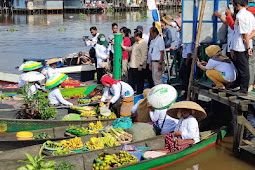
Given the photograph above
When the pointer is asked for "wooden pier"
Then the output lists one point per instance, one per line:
(240, 107)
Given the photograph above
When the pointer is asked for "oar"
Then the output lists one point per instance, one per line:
(196, 48)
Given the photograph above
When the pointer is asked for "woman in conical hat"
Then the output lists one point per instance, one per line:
(32, 78)
(219, 68)
(51, 70)
(55, 95)
(186, 132)
(26, 67)
(160, 97)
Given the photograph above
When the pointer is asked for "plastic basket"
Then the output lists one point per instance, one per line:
(97, 161)
(52, 149)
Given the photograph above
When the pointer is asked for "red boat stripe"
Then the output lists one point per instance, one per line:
(201, 150)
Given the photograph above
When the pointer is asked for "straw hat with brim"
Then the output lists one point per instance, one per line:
(32, 76)
(198, 112)
(214, 50)
(162, 96)
(31, 65)
(53, 60)
(55, 80)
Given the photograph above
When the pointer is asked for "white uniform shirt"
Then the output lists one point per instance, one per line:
(177, 39)
(227, 70)
(145, 38)
(32, 90)
(245, 23)
(159, 45)
(101, 53)
(159, 116)
(50, 72)
(230, 38)
(56, 97)
(187, 48)
(21, 82)
(189, 128)
(93, 42)
(127, 91)
(149, 52)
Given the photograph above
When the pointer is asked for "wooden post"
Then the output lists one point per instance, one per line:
(196, 48)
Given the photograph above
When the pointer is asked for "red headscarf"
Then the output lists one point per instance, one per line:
(109, 80)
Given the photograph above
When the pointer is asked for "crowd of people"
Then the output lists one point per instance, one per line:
(230, 67)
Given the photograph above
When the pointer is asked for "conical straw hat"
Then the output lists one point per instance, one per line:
(31, 65)
(32, 76)
(162, 96)
(55, 80)
(199, 113)
(53, 60)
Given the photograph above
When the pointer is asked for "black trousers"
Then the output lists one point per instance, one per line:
(92, 54)
(148, 76)
(185, 73)
(242, 66)
(100, 73)
(136, 79)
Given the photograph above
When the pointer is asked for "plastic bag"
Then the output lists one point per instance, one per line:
(124, 123)
(105, 111)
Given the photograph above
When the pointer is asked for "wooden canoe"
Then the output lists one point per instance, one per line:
(84, 160)
(9, 141)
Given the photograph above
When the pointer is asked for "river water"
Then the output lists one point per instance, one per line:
(47, 36)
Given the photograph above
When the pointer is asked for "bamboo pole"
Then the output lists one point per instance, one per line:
(196, 48)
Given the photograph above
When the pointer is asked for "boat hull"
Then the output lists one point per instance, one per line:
(85, 160)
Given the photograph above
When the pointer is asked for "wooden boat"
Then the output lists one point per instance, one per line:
(85, 159)
(9, 141)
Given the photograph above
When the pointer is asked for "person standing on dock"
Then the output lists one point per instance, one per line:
(242, 45)
(167, 34)
(102, 54)
(125, 56)
(157, 56)
(92, 41)
(111, 41)
(187, 51)
(145, 36)
(137, 62)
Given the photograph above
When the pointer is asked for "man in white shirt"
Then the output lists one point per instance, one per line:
(148, 73)
(157, 56)
(242, 45)
(145, 36)
(92, 41)
(187, 52)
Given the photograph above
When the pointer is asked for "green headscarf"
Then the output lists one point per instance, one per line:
(104, 43)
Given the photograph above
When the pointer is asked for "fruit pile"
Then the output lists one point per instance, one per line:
(70, 81)
(114, 160)
(96, 98)
(62, 152)
(89, 113)
(83, 101)
(112, 116)
(120, 135)
(75, 143)
(101, 142)
(53, 145)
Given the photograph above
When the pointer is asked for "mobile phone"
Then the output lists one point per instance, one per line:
(164, 14)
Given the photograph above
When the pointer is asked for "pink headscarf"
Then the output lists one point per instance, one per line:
(109, 80)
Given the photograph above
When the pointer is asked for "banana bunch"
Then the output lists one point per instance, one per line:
(92, 125)
(99, 125)
(95, 143)
(110, 141)
(88, 113)
(75, 143)
(93, 131)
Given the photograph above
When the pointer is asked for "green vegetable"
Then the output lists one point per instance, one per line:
(37, 163)
(65, 166)
(41, 135)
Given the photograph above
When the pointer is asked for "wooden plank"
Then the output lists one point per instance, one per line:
(248, 149)
(242, 120)
(252, 143)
